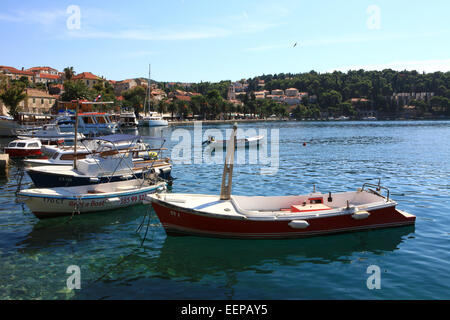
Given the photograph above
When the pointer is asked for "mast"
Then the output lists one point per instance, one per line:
(76, 136)
(149, 91)
(227, 176)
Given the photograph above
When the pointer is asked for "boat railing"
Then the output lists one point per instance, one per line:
(377, 190)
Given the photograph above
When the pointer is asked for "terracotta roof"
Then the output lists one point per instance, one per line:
(183, 98)
(48, 76)
(37, 69)
(16, 71)
(86, 75)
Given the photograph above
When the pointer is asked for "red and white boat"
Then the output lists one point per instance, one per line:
(24, 148)
(276, 217)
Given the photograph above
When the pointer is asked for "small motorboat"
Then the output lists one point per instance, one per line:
(24, 148)
(275, 217)
(278, 216)
(245, 142)
(100, 168)
(111, 161)
(55, 202)
(49, 131)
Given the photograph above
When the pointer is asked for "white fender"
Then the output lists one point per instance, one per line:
(113, 200)
(299, 224)
(360, 215)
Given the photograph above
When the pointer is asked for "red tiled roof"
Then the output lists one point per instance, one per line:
(37, 69)
(183, 98)
(48, 76)
(86, 75)
(16, 71)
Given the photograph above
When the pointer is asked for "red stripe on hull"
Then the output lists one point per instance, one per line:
(23, 153)
(177, 221)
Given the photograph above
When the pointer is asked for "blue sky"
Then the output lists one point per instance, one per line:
(207, 40)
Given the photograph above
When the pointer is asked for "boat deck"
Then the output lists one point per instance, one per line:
(289, 207)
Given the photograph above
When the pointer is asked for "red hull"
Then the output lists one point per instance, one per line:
(181, 221)
(23, 152)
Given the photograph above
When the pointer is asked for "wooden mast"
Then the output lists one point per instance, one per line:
(227, 176)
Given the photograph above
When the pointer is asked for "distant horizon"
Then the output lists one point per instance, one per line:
(203, 41)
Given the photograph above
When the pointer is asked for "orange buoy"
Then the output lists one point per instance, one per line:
(304, 144)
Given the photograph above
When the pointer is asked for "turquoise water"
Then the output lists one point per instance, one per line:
(412, 158)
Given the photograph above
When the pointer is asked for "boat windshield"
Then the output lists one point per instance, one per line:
(12, 144)
(102, 120)
(88, 120)
(21, 144)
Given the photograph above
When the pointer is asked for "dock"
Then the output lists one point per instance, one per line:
(4, 161)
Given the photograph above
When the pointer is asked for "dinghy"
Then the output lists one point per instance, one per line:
(246, 142)
(276, 217)
(55, 202)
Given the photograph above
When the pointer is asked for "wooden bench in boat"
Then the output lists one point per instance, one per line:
(309, 207)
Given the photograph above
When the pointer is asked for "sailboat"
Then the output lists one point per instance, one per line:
(152, 118)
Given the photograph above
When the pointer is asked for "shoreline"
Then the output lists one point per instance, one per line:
(187, 122)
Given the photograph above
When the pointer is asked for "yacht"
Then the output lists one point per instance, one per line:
(151, 118)
(128, 120)
(89, 123)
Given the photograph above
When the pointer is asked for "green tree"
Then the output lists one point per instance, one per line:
(135, 98)
(74, 90)
(69, 73)
(12, 95)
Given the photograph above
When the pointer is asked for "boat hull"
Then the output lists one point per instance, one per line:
(153, 123)
(44, 207)
(181, 221)
(42, 179)
(20, 153)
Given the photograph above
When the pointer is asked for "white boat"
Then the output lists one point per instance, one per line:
(342, 118)
(23, 121)
(89, 123)
(106, 163)
(48, 131)
(128, 120)
(154, 120)
(369, 119)
(64, 155)
(245, 142)
(151, 118)
(275, 217)
(24, 148)
(54, 202)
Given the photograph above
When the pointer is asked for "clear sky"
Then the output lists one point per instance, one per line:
(212, 40)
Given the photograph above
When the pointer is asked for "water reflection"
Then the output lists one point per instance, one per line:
(61, 231)
(193, 258)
